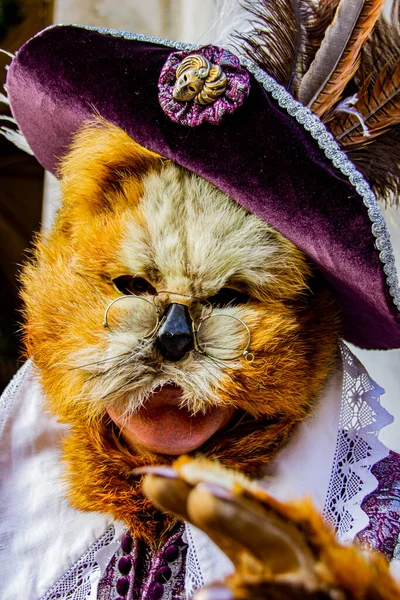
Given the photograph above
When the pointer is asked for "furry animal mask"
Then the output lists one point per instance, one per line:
(132, 222)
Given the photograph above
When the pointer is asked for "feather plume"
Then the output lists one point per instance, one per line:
(17, 138)
(230, 16)
(324, 11)
(13, 135)
(381, 46)
(338, 58)
(4, 99)
(379, 162)
(376, 52)
(277, 40)
(395, 15)
(377, 109)
(378, 105)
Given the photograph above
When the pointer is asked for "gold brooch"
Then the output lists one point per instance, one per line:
(199, 80)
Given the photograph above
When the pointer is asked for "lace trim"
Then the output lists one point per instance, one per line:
(77, 582)
(7, 397)
(357, 449)
(194, 579)
(318, 131)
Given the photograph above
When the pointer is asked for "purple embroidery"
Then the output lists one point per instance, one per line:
(191, 114)
(152, 576)
(383, 508)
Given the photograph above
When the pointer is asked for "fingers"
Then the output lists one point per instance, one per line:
(238, 521)
(169, 495)
(241, 527)
(261, 536)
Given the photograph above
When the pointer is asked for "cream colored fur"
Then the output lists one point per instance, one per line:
(189, 238)
(127, 211)
(196, 240)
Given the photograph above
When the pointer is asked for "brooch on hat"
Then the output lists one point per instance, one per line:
(202, 86)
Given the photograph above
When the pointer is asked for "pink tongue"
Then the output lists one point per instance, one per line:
(161, 427)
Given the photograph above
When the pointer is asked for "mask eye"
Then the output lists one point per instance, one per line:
(228, 297)
(129, 285)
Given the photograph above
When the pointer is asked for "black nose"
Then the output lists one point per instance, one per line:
(175, 336)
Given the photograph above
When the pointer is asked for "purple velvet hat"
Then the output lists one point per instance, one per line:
(251, 139)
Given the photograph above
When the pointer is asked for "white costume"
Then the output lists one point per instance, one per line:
(50, 550)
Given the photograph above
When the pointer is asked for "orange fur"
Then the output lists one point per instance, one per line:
(294, 327)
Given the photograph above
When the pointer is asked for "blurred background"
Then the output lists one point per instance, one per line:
(29, 197)
(21, 183)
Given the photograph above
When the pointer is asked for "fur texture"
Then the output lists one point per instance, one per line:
(128, 211)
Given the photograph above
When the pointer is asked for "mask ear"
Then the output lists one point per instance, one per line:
(103, 171)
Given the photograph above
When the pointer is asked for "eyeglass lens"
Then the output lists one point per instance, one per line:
(220, 336)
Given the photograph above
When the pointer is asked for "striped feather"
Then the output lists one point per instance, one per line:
(378, 105)
(338, 58)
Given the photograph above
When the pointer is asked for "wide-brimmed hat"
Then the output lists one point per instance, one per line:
(240, 130)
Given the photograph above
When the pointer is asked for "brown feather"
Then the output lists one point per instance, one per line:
(395, 15)
(378, 104)
(382, 46)
(278, 40)
(338, 58)
(324, 12)
(379, 162)
(378, 155)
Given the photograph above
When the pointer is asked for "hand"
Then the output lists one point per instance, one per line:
(280, 551)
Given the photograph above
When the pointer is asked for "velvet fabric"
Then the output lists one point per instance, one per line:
(259, 155)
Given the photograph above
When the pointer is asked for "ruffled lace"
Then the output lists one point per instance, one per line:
(81, 579)
(358, 449)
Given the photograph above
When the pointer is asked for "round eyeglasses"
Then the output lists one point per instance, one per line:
(220, 336)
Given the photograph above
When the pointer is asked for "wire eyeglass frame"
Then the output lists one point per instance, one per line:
(197, 322)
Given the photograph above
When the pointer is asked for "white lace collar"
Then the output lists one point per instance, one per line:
(329, 459)
(76, 547)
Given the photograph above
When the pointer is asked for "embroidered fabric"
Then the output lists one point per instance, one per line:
(357, 449)
(351, 480)
(383, 509)
(396, 553)
(153, 573)
(191, 113)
